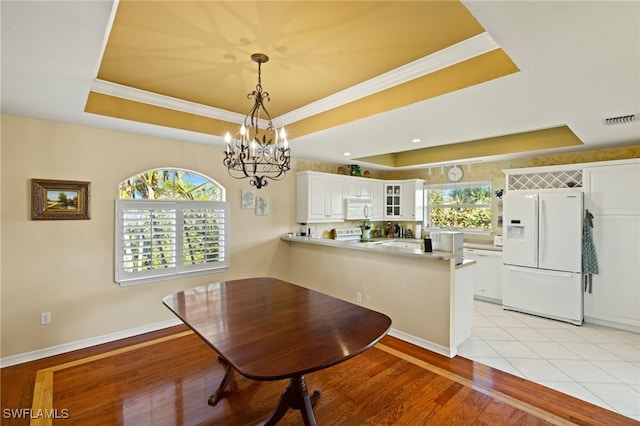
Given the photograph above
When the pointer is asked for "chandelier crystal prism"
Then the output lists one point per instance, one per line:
(258, 153)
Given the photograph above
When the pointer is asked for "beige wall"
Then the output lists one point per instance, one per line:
(413, 292)
(66, 267)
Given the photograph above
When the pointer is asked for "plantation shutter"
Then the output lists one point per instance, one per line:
(159, 239)
(204, 235)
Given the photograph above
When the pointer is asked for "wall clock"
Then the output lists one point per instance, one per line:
(455, 173)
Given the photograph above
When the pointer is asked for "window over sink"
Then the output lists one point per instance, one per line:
(464, 206)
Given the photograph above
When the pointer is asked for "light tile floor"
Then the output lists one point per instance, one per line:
(597, 364)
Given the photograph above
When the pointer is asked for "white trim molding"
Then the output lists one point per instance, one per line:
(85, 343)
(439, 349)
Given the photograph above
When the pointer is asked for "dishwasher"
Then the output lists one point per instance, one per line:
(487, 284)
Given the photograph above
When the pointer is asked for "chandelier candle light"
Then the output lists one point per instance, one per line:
(255, 153)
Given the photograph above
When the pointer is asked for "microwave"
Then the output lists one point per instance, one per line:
(449, 241)
(357, 208)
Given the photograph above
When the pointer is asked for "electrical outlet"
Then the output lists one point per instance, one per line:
(359, 297)
(45, 318)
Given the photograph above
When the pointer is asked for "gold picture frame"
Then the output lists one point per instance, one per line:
(59, 199)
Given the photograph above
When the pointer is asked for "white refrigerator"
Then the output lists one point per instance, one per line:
(542, 254)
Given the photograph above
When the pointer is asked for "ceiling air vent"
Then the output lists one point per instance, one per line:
(623, 119)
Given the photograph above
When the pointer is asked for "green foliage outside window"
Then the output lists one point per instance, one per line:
(460, 207)
(170, 184)
(188, 219)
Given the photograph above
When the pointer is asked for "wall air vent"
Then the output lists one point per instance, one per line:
(623, 119)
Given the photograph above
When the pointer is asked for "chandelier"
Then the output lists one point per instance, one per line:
(255, 153)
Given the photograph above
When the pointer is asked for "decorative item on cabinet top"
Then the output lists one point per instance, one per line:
(355, 170)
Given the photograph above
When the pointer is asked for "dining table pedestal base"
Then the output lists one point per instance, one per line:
(297, 397)
(228, 372)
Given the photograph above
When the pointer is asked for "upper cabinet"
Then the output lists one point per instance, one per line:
(392, 196)
(377, 200)
(356, 187)
(404, 200)
(319, 197)
(613, 189)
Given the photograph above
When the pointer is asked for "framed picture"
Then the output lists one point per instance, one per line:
(248, 199)
(262, 206)
(59, 199)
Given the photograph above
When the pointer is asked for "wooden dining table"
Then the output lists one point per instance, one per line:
(267, 329)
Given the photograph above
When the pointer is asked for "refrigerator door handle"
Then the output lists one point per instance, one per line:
(536, 232)
(542, 232)
(541, 271)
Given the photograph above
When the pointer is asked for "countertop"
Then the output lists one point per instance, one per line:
(482, 246)
(372, 247)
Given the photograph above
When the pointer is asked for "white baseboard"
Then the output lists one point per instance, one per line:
(93, 341)
(450, 353)
(634, 328)
(81, 344)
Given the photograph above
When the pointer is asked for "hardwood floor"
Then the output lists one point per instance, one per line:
(165, 378)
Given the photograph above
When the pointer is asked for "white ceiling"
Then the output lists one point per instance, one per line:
(579, 62)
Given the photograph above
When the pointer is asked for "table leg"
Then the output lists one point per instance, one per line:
(295, 396)
(217, 395)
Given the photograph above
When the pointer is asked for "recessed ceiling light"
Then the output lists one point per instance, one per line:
(346, 154)
(416, 140)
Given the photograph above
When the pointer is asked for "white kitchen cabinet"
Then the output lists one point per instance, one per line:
(612, 195)
(613, 188)
(357, 187)
(413, 200)
(377, 200)
(488, 274)
(404, 200)
(392, 197)
(614, 299)
(319, 197)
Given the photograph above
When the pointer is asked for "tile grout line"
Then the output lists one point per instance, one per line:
(580, 335)
(528, 408)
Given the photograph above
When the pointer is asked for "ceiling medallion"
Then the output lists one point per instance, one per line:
(255, 153)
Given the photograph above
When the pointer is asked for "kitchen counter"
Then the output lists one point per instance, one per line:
(481, 245)
(427, 296)
(375, 246)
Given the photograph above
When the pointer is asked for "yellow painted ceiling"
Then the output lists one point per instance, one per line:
(199, 52)
(554, 137)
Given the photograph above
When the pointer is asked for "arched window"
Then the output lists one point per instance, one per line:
(170, 223)
(171, 184)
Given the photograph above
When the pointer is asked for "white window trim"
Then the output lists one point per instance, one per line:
(134, 278)
(457, 185)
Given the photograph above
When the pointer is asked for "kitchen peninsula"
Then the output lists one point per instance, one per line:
(428, 297)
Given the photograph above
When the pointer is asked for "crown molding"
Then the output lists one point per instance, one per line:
(137, 95)
(464, 50)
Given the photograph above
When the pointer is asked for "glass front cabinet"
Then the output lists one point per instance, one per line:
(392, 193)
(404, 200)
